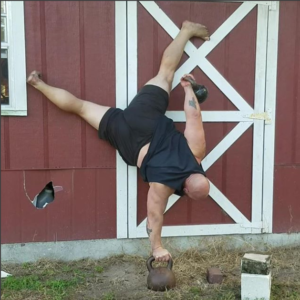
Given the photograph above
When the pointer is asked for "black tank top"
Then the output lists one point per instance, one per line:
(169, 160)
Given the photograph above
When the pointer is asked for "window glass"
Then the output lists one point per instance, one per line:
(13, 79)
(4, 77)
(3, 7)
(3, 29)
(4, 56)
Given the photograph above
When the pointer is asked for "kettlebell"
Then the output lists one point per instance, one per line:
(160, 278)
(200, 91)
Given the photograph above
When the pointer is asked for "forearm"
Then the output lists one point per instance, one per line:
(154, 227)
(191, 105)
(194, 131)
(156, 205)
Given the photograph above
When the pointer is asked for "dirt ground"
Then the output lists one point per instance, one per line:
(125, 277)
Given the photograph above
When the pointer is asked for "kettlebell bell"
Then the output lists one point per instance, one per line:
(160, 278)
(200, 91)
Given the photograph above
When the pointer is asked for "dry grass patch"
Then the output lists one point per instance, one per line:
(124, 277)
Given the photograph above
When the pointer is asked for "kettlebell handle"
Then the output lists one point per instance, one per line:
(151, 259)
(191, 81)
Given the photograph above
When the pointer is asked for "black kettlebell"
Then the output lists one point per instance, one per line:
(160, 278)
(45, 197)
(200, 91)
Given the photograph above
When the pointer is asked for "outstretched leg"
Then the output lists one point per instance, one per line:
(174, 51)
(89, 111)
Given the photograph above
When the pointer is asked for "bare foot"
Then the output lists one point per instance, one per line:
(34, 78)
(196, 29)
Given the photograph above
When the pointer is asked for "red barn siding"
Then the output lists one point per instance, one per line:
(236, 62)
(83, 210)
(73, 44)
(287, 149)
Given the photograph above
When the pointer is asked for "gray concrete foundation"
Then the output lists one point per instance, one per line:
(97, 249)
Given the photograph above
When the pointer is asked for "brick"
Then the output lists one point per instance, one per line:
(214, 275)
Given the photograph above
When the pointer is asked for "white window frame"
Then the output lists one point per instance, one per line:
(16, 60)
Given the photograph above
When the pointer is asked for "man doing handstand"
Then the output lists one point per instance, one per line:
(144, 137)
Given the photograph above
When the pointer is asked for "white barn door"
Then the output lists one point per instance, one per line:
(261, 116)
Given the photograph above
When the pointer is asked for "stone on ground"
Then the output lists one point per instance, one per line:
(214, 275)
(255, 263)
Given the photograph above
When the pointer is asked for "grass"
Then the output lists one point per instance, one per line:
(19, 283)
(124, 277)
(285, 291)
(195, 291)
(55, 289)
(99, 269)
(109, 296)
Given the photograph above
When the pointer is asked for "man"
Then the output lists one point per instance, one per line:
(146, 138)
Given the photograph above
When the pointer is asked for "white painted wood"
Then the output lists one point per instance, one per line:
(224, 85)
(259, 106)
(196, 230)
(227, 206)
(274, 5)
(171, 201)
(256, 2)
(221, 200)
(4, 46)
(132, 90)
(225, 143)
(215, 76)
(132, 49)
(269, 148)
(121, 102)
(197, 58)
(195, 54)
(213, 116)
(10, 112)
(219, 197)
(16, 60)
(215, 39)
(162, 18)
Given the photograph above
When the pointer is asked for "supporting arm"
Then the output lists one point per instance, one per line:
(158, 195)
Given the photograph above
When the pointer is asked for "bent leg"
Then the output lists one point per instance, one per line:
(172, 54)
(89, 111)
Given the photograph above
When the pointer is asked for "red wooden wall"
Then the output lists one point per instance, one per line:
(73, 45)
(287, 149)
(227, 57)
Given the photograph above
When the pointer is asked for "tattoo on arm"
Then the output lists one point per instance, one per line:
(148, 229)
(193, 103)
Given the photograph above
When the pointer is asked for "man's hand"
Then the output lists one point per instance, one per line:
(161, 254)
(185, 83)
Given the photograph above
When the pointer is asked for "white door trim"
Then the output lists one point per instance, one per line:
(246, 116)
(198, 55)
(270, 103)
(121, 102)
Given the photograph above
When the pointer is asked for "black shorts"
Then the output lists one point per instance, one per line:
(130, 129)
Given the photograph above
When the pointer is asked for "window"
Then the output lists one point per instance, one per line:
(13, 68)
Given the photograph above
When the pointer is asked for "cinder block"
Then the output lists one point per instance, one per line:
(214, 275)
(255, 263)
(256, 287)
